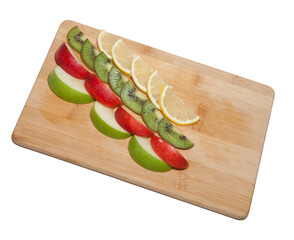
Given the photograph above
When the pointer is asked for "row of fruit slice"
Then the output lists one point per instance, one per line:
(64, 83)
(131, 96)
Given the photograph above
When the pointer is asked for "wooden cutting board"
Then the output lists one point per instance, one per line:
(228, 139)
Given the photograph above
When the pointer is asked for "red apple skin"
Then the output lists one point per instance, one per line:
(130, 124)
(99, 91)
(168, 153)
(69, 64)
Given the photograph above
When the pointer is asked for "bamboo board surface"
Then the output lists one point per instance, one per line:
(228, 140)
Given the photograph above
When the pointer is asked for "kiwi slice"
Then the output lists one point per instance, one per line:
(133, 97)
(172, 135)
(116, 80)
(102, 66)
(89, 52)
(151, 116)
(76, 38)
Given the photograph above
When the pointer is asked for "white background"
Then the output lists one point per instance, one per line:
(45, 198)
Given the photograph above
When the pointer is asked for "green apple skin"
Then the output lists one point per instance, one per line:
(65, 92)
(144, 158)
(104, 127)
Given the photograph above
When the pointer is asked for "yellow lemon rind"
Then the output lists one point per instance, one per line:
(99, 43)
(116, 63)
(148, 90)
(135, 80)
(165, 113)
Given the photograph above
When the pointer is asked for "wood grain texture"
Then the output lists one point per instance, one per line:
(228, 139)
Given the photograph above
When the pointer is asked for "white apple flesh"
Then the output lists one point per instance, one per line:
(67, 87)
(142, 153)
(104, 120)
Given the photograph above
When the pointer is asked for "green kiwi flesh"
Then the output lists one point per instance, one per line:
(116, 80)
(89, 52)
(172, 135)
(133, 97)
(102, 66)
(76, 38)
(151, 116)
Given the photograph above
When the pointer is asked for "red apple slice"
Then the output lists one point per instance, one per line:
(99, 91)
(168, 153)
(130, 124)
(66, 59)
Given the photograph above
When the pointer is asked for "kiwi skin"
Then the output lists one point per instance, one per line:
(89, 52)
(102, 66)
(76, 38)
(116, 80)
(132, 97)
(172, 135)
(151, 116)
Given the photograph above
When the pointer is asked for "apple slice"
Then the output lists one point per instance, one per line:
(67, 87)
(168, 153)
(101, 92)
(104, 120)
(68, 61)
(141, 151)
(130, 124)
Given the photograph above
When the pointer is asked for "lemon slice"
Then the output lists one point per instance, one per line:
(122, 56)
(105, 43)
(154, 86)
(140, 72)
(174, 109)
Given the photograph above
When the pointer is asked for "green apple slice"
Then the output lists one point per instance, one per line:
(104, 120)
(67, 87)
(141, 151)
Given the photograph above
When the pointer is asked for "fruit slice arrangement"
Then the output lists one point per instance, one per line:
(72, 81)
